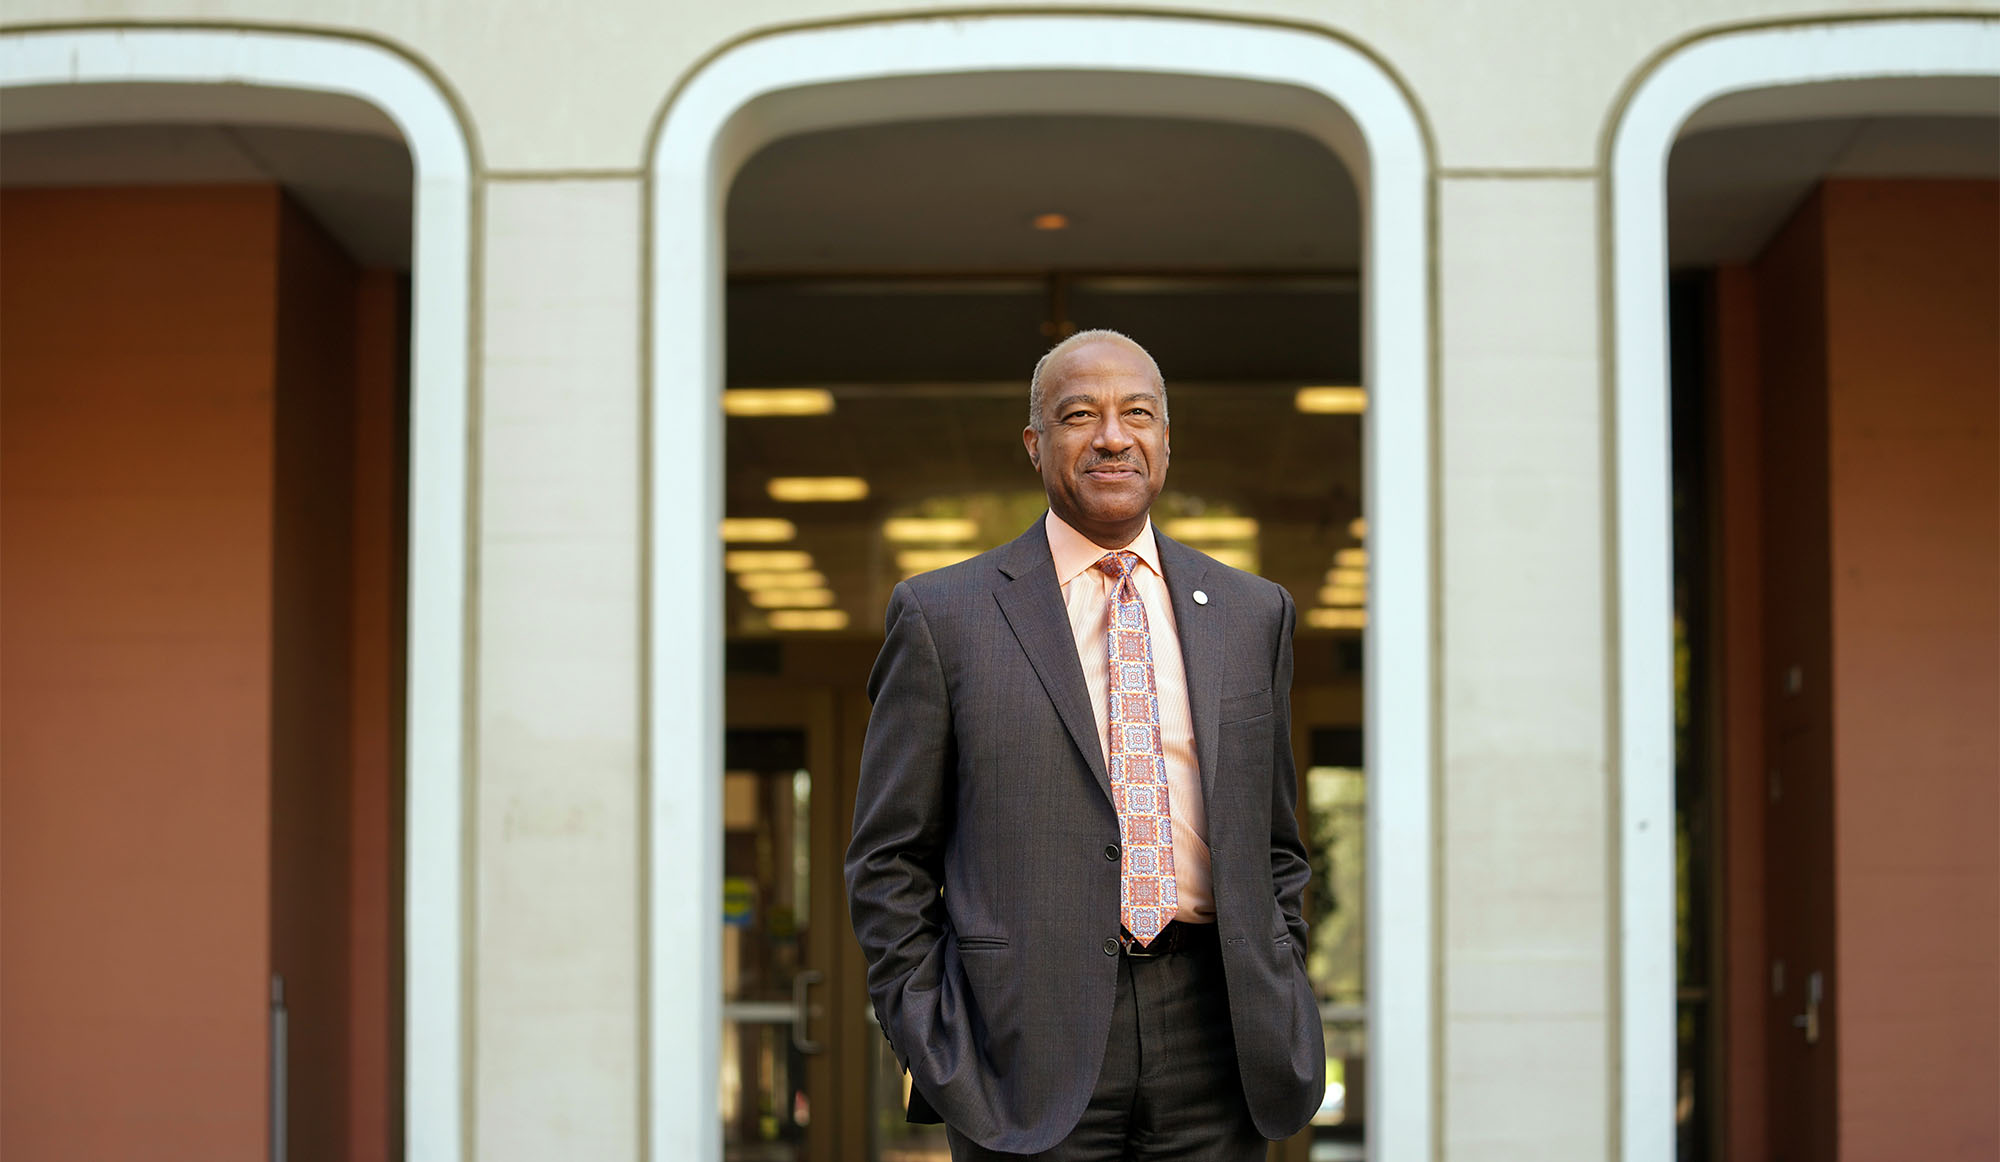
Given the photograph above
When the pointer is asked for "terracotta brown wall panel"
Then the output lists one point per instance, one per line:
(136, 355)
(1735, 403)
(1798, 859)
(375, 883)
(194, 659)
(1913, 306)
(312, 575)
(1878, 388)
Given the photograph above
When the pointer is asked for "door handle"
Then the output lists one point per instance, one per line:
(803, 1010)
(1809, 1020)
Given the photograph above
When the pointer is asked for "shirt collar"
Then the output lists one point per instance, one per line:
(1074, 553)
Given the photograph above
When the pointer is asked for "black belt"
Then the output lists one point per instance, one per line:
(1174, 938)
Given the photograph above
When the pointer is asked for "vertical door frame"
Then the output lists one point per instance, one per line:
(1640, 137)
(901, 69)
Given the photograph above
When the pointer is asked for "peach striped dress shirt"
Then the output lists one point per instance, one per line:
(1087, 595)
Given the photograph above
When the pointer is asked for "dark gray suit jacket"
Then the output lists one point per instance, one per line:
(981, 877)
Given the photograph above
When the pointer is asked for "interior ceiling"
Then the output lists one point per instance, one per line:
(1729, 189)
(924, 330)
(1140, 193)
(356, 184)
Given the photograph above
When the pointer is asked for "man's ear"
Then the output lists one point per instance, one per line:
(1032, 441)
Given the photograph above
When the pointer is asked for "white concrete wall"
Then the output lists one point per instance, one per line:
(569, 87)
(556, 1010)
(560, 101)
(1527, 1050)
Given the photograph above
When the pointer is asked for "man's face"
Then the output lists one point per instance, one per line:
(1102, 450)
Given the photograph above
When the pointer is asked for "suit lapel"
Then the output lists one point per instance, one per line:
(1200, 631)
(1031, 600)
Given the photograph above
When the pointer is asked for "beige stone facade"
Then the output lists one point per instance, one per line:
(576, 1018)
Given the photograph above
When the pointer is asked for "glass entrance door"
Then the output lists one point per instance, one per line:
(773, 997)
(796, 1037)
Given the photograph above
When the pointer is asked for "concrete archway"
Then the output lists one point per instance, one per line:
(75, 77)
(1735, 65)
(855, 74)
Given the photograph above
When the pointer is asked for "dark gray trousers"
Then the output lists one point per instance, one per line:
(1169, 1088)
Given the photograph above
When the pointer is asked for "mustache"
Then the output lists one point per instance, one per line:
(1101, 461)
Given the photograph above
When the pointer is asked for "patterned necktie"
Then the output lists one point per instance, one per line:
(1147, 898)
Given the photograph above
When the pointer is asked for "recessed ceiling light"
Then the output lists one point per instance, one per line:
(924, 560)
(1358, 528)
(1351, 558)
(1212, 528)
(1337, 618)
(766, 560)
(1332, 401)
(792, 598)
(817, 488)
(916, 529)
(777, 401)
(1339, 576)
(1343, 595)
(1050, 221)
(741, 529)
(808, 619)
(793, 579)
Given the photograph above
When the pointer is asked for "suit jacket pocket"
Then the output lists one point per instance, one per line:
(1290, 948)
(1244, 707)
(981, 943)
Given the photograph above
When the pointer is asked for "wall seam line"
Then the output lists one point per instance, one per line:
(1520, 173)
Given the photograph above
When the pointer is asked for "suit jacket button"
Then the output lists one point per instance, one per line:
(1111, 946)
(1111, 851)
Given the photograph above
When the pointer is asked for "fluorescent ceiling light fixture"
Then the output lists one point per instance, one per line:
(1050, 221)
(924, 560)
(766, 560)
(1212, 528)
(910, 528)
(777, 401)
(793, 579)
(1351, 558)
(815, 488)
(1343, 595)
(792, 598)
(1332, 401)
(1358, 528)
(756, 529)
(808, 619)
(1337, 618)
(1347, 577)
(1243, 559)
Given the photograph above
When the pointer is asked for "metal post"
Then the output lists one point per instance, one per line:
(279, 1049)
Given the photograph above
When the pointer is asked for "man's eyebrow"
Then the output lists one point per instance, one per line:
(1086, 398)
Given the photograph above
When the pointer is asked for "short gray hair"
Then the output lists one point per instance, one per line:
(1070, 344)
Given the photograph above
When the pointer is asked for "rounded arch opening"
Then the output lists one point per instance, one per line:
(824, 78)
(78, 79)
(1728, 84)
(895, 279)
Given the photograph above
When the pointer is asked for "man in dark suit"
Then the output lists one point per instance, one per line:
(1075, 868)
